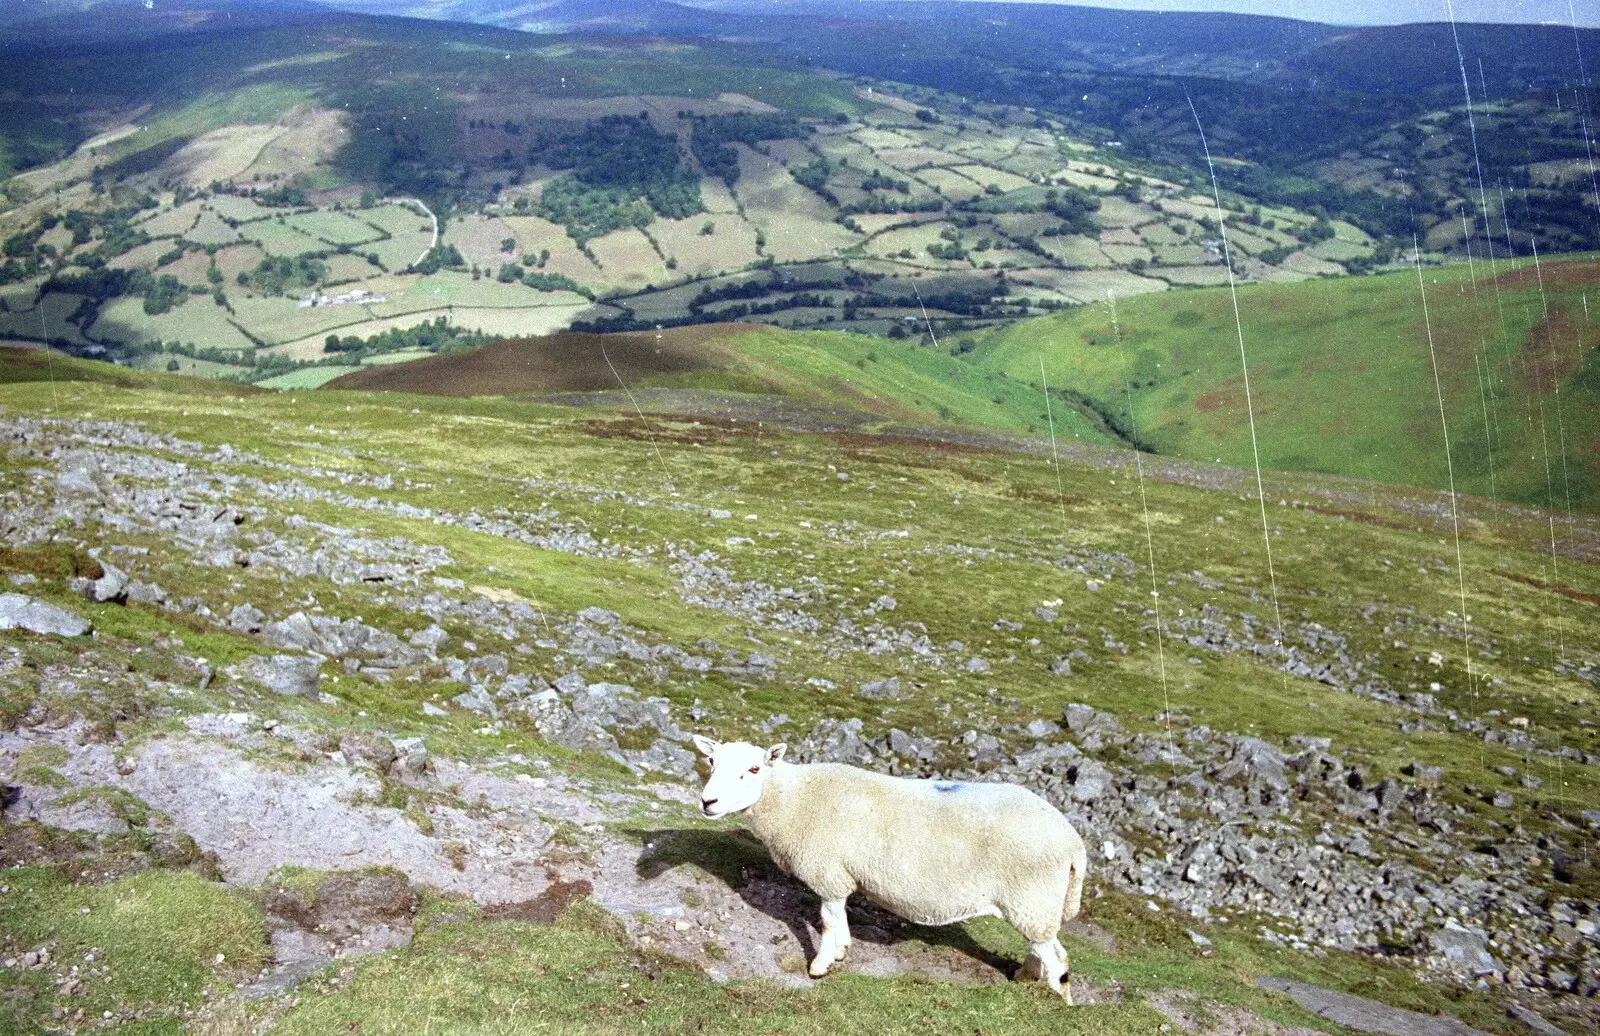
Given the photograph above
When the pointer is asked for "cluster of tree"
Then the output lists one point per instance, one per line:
(814, 175)
(626, 321)
(713, 137)
(160, 293)
(1382, 255)
(877, 203)
(623, 172)
(279, 274)
(973, 301)
(614, 151)
(876, 181)
(589, 212)
(1074, 208)
(286, 196)
(437, 336)
(1253, 219)
(96, 284)
(1319, 230)
(511, 273)
(756, 287)
(615, 160)
(236, 357)
(1377, 214)
(26, 255)
(554, 282)
(136, 162)
(439, 257)
(799, 300)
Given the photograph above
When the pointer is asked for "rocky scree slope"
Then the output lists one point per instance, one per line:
(230, 756)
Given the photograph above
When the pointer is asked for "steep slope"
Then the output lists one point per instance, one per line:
(1342, 378)
(855, 378)
(388, 698)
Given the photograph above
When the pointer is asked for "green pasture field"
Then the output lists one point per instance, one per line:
(903, 381)
(306, 377)
(336, 228)
(1341, 376)
(199, 321)
(277, 238)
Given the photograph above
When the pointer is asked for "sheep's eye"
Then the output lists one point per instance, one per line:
(755, 769)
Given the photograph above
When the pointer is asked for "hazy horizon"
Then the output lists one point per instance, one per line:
(1354, 12)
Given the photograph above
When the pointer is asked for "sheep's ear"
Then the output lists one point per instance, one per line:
(776, 752)
(705, 744)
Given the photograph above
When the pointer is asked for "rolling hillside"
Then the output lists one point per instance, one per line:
(851, 378)
(1342, 378)
(387, 699)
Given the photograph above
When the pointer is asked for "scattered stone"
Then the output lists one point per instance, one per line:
(146, 593)
(1427, 776)
(1084, 720)
(111, 586)
(1257, 761)
(910, 746)
(1464, 949)
(431, 639)
(834, 741)
(18, 611)
(1089, 780)
(881, 690)
(1532, 1020)
(299, 675)
(1365, 1015)
(412, 761)
(360, 746)
(247, 618)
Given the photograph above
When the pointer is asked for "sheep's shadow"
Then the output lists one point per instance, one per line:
(742, 863)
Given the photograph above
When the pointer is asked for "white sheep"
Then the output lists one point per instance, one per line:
(934, 852)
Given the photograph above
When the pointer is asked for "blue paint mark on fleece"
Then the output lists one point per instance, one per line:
(948, 787)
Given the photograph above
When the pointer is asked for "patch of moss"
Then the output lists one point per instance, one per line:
(41, 777)
(124, 805)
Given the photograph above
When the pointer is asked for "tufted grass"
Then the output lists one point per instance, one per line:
(159, 933)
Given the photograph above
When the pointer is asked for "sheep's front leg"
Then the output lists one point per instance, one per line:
(1054, 966)
(835, 938)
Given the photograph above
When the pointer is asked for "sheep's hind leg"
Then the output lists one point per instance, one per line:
(1053, 966)
(835, 938)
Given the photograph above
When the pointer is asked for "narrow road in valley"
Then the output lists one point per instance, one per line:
(419, 203)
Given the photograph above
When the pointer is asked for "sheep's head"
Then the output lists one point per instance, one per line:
(738, 773)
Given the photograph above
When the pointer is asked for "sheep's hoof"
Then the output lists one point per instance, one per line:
(820, 966)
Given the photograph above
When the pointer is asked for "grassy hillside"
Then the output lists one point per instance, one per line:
(1342, 378)
(19, 364)
(515, 518)
(184, 194)
(891, 379)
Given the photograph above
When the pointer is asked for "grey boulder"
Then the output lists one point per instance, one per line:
(18, 611)
(298, 675)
